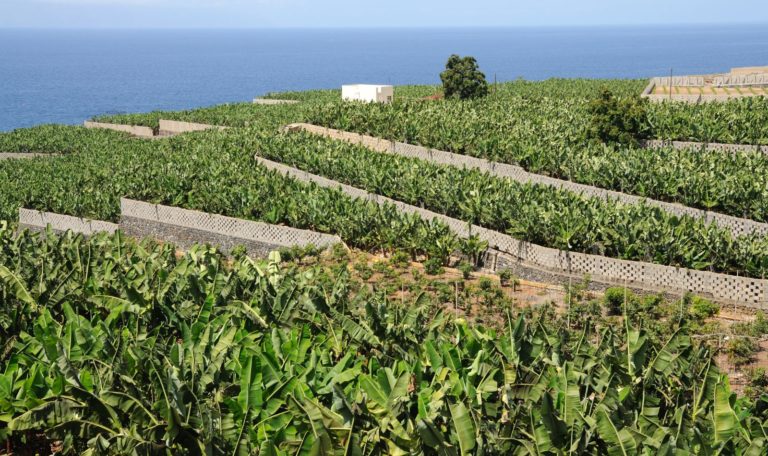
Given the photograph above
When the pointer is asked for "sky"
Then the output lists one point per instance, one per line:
(360, 13)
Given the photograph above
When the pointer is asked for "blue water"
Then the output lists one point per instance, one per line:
(69, 76)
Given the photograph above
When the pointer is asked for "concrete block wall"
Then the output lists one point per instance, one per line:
(741, 80)
(270, 101)
(738, 226)
(684, 98)
(38, 221)
(22, 155)
(174, 127)
(718, 147)
(135, 130)
(721, 287)
(680, 81)
(185, 228)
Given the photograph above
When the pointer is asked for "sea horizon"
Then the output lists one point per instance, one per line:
(69, 75)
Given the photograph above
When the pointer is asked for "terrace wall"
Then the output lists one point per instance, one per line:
(18, 155)
(269, 101)
(738, 226)
(653, 277)
(741, 80)
(680, 81)
(135, 130)
(39, 221)
(716, 147)
(174, 127)
(185, 228)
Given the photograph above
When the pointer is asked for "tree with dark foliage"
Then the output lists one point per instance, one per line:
(618, 120)
(463, 79)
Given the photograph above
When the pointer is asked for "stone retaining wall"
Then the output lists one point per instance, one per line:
(38, 221)
(135, 130)
(747, 292)
(738, 226)
(174, 127)
(270, 101)
(185, 227)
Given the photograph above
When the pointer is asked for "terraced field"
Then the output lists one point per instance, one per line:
(108, 346)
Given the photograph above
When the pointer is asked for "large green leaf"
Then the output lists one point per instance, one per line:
(620, 442)
(463, 427)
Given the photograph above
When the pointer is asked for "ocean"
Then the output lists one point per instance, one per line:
(67, 76)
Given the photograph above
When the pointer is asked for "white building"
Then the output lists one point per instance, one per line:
(368, 92)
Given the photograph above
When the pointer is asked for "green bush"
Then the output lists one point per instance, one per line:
(618, 120)
(614, 299)
(365, 271)
(463, 79)
(756, 328)
(400, 259)
(741, 350)
(466, 269)
(298, 252)
(433, 266)
(702, 309)
(485, 283)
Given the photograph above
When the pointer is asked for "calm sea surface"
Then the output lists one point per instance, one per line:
(69, 76)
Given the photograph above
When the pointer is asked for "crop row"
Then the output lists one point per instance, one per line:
(214, 172)
(563, 102)
(545, 136)
(740, 121)
(109, 347)
(539, 214)
(208, 171)
(540, 126)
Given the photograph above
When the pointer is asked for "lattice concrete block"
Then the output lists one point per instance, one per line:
(744, 291)
(135, 130)
(268, 101)
(185, 227)
(39, 221)
(23, 155)
(738, 226)
(174, 127)
(718, 147)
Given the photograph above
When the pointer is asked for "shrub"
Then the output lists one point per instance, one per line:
(614, 299)
(238, 252)
(433, 266)
(463, 79)
(741, 350)
(298, 252)
(702, 309)
(365, 271)
(757, 382)
(466, 269)
(400, 259)
(756, 328)
(618, 120)
(485, 283)
(339, 252)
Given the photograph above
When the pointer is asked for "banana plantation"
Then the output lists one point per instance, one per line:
(117, 346)
(114, 347)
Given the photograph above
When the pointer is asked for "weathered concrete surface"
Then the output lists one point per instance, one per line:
(38, 221)
(135, 130)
